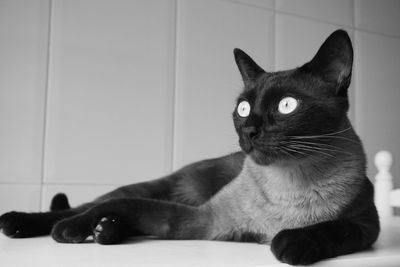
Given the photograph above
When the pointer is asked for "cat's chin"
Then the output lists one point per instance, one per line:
(259, 157)
(267, 158)
(262, 158)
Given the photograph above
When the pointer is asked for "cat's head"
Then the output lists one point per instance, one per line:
(294, 114)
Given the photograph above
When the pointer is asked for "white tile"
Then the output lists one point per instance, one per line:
(23, 48)
(208, 81)
(339, 12)
(77, 194)
(378, 96)
(298, 40)
(19, 197)
(380, 16)
(110, 94)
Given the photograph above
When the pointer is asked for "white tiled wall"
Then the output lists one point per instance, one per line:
(334, 12)
(109, 111)
(96, 94)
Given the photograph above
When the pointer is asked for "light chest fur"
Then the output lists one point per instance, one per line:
(267, 199)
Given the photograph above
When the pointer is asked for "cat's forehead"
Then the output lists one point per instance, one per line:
(271, 84)
(274, 85)
(278, 78)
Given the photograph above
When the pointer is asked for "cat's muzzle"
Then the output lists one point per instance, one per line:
(248, 135)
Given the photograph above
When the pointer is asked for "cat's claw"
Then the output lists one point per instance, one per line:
(109, 230)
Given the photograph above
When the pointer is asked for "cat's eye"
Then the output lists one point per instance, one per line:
(243, 109)
(287, 105)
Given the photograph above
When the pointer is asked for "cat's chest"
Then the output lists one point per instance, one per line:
(280, 197)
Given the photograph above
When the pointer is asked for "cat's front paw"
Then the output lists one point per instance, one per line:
(71, 230)
(17, 224)
(109, 230)
(297, 247)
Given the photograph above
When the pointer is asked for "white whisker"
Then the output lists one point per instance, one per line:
(311, 150)
(318, 146)
(321, 136)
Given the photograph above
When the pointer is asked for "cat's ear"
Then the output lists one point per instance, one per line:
(334, 60)
(247, 67)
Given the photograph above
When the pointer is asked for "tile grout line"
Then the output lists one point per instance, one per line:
(275, 36)
(175, 86)
(355, 68)
(354, 14)
(356, 71)
(351, 27)
(46, 95)
(61, 184)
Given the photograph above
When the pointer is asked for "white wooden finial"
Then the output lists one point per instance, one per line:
(383, 161)
(383, 185)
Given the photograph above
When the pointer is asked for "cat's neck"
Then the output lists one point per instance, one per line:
(289, 173)
(298, 174)
(286, 184)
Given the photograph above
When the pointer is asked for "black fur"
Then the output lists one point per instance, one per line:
(177, 206)
(59, 202)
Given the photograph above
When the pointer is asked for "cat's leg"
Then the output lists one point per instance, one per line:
(59, 202)
(113, 230)
(355, 230)
(192, 185)
(324, 240)
(151, 217)
(20, 224)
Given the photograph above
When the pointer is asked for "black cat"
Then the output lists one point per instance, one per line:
(299, 182)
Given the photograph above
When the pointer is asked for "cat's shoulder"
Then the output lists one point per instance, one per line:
(199, 181)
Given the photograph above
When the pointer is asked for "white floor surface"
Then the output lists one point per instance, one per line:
(43, 251)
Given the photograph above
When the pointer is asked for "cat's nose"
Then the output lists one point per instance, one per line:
(250, 132)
